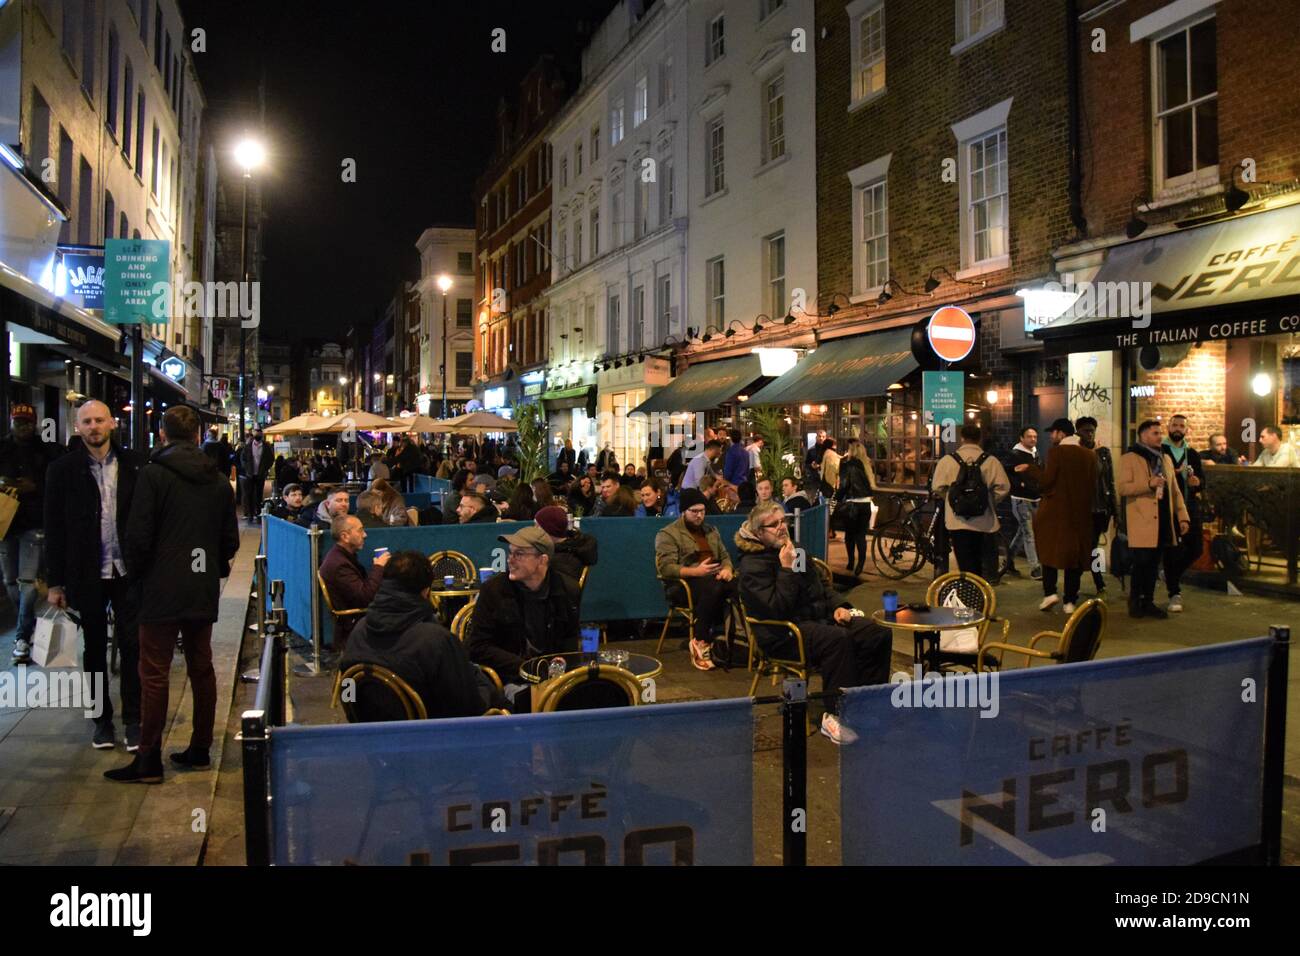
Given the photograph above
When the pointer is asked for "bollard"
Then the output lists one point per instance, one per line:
(794, 759)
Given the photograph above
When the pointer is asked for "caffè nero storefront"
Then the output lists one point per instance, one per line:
(1208, 327)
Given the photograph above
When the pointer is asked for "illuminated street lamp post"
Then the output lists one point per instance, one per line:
(249, 154)
(444, 283)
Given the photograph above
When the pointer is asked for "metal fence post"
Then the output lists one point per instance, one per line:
(313, 669)
(794, 758)
(1274, 744)
(257, 797)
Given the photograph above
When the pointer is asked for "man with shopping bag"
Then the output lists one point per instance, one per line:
(179, 545)
(24, 457)
(87, 503)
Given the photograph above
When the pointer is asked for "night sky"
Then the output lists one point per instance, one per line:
(407, 89)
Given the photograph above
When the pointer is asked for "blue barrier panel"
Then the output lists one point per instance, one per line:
(1160, 749)
(429, 484)
(622, 586)
(617, 786)
(288, 558)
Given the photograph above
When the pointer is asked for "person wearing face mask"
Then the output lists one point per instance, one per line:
(1190, 475)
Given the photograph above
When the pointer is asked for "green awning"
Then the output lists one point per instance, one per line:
(577, 396)
(705, 386)
(856, 367)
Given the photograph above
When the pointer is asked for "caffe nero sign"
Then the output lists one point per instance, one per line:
(1234, 279)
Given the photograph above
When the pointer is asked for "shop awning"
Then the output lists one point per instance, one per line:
(855, 367)
(705, 386)
(577, 396)
(1239, 277)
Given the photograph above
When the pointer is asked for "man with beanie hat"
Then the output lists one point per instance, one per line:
(23, 460)
(574, 550)
(689, 552)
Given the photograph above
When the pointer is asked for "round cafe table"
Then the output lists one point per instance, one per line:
(449, 600)
(926, 627)
(642, 666)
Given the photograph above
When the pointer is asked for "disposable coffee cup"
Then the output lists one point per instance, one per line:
(484, 574)
(891, 601)
(590, 639)
(448, 580)
(380, 552)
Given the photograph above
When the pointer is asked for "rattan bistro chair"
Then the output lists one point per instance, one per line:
(764, 664)
(1078, 641)
(461, 622)
(978, 595)
(685, 611)
(590, 687)
(824, 572)
(338, 615)
(458, 565)
(368, 675)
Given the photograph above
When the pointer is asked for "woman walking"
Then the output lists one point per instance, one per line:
(857, 482)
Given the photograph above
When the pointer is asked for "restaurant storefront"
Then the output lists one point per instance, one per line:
(1214, 336)
(710, 392)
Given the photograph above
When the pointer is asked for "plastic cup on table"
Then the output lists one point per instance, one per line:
(890, 599)
(484, 574)
(590, 640)
(448, 580)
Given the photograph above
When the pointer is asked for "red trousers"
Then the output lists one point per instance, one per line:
(157, 643)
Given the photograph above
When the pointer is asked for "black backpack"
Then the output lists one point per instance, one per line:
(968, 497)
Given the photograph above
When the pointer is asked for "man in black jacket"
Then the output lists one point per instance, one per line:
(182, 538)
(400, 631)
(528, 612)
(24, 457)
(1025, 497)
(217, 447)
(848, 649)
(88, 496)
(255, 460)
(1191, 476)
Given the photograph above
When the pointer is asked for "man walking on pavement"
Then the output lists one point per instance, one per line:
(182, 538)
(254, 465)
(972, 482)
(1063, 524)
(1187, 467)
(1105, 506)
(87, 510)
(24, 457)
(1024, 501)
(1154, 512)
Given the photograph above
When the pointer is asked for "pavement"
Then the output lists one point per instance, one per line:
(55, 805)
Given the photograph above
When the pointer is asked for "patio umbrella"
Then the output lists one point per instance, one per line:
(478, 423)
(419, 423)
(360, 421)
(304, 424)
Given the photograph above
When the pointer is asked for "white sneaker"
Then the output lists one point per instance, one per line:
(1068, 607)
(836, 732)
(702, 655)
(22, 650)
(1049, 602)
(1175, 604)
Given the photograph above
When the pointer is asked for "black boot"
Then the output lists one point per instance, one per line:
(1135, 606)
(1149, 609)
(145, 768)
(192, 757)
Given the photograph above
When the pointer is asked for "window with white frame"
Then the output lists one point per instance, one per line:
(564, 248)
(642, 207)
(637, 338)
(985, 201)
(666, 187)
(577, 159)
(640, 101)
(715, 179)
(616, 216)
(616, 122)
(577, 241)
(666, 81)
(716, 41)
(774, 303)
(1186, 106)
(663, 307)
(976, 19)
(564, 171)
(768, 7)
(595, 143)
(867, 43)
(716, 279)
(594, 230)
(613, 314)
(774, 118)
(873, 231)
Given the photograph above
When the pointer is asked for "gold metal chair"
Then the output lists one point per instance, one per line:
(824, 572)
(686, 613)
(589, 687)
(764, 664)
(454, 563)
(582, 590)
(493, 676)
(338, 615)
(978, 595)
(460, 623)
(405, 695)
(1078, 641)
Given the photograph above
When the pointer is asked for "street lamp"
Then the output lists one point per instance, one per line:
(444, 283)
(250, 154)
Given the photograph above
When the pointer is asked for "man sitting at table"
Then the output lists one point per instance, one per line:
(794, 498)
(527, 612)
(370, 509)
(690, 550)
(475, 508)
(847, 649)
(400, 631)
(348, 583)
(290, 506)
(334, 505)
(574, 550)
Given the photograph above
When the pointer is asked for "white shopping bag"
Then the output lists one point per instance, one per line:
(56, 641)
(964, 640)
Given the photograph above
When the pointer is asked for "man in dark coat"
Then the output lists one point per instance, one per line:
(525, 613)
(847, 648)
(400, 631)
(88, 495)
(24, 457)
(217, 447)
(1191, 476)
(1063, 522)
(255, 460)
(182, 538)
(350, 585)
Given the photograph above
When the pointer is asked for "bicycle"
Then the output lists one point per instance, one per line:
(904, 545)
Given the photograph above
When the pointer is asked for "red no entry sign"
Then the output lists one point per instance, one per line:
(951, 332)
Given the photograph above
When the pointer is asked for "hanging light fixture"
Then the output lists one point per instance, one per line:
(1136, 224)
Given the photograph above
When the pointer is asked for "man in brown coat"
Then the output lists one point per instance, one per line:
(346, 579)
(1063, 522)
(1155, 514)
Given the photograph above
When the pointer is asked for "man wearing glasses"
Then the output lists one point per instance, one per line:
(846, 648)
(525, 613)
(690, 550)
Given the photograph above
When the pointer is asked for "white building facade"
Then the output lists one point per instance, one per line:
(449, 251)
(619, 160)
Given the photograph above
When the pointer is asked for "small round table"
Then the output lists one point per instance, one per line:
(642, 666)
(448, 600)
(926, 626)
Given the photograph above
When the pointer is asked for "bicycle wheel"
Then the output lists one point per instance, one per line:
(896, 551)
